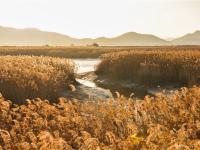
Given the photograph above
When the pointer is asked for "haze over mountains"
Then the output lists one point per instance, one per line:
(33, 37)
(188, 39)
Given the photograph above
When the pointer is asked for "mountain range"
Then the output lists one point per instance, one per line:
(34, 37)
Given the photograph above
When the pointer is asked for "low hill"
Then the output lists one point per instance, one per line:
(32, 36)
(188, 39)
(132, 39)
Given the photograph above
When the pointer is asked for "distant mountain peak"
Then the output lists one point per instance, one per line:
(197, 32)
(34, 36)
(189, 39)
(31, 29)
(129, 34)
(103, 37)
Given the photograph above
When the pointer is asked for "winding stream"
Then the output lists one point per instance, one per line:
(88, 65)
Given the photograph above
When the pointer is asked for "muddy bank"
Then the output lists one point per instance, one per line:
(83, 92)
(125, 88)
(90, 86)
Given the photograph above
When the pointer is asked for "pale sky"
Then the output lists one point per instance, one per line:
(96, 18)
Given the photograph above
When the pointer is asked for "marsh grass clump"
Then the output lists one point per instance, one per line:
(23, 77)
(153, 67)
(159, 122)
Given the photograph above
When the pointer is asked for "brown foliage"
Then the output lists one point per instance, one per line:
(23, 77)
(153, 67)
(81, 51)
(165, 122)
(59, 51)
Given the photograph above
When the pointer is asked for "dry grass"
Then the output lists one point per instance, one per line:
(153, 67)
(24, 77)
(161, 122)
(82, 51)
(65, 52)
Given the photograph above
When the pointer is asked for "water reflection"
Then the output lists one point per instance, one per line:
(86, 83)
(86, 65)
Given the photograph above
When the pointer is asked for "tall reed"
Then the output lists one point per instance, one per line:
(161, 122)
(154, 67)
(24, 77)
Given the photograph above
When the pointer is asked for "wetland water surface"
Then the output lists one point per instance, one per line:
(89, 65)
(84, 66)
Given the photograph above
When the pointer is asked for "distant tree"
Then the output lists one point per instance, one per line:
(95, 44)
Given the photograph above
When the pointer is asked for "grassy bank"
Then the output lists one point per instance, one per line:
(122, 124)
(153, 67)
(82, 51)
(24, 77)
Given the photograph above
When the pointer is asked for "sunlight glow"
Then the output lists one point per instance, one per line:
(95, 18)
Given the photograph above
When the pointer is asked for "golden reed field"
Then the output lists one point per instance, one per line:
(56, 51)
(81, 51)
(23, 77)
(155, 123)
(162, 122)
(153, 67)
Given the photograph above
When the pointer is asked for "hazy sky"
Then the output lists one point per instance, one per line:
(94, 18)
